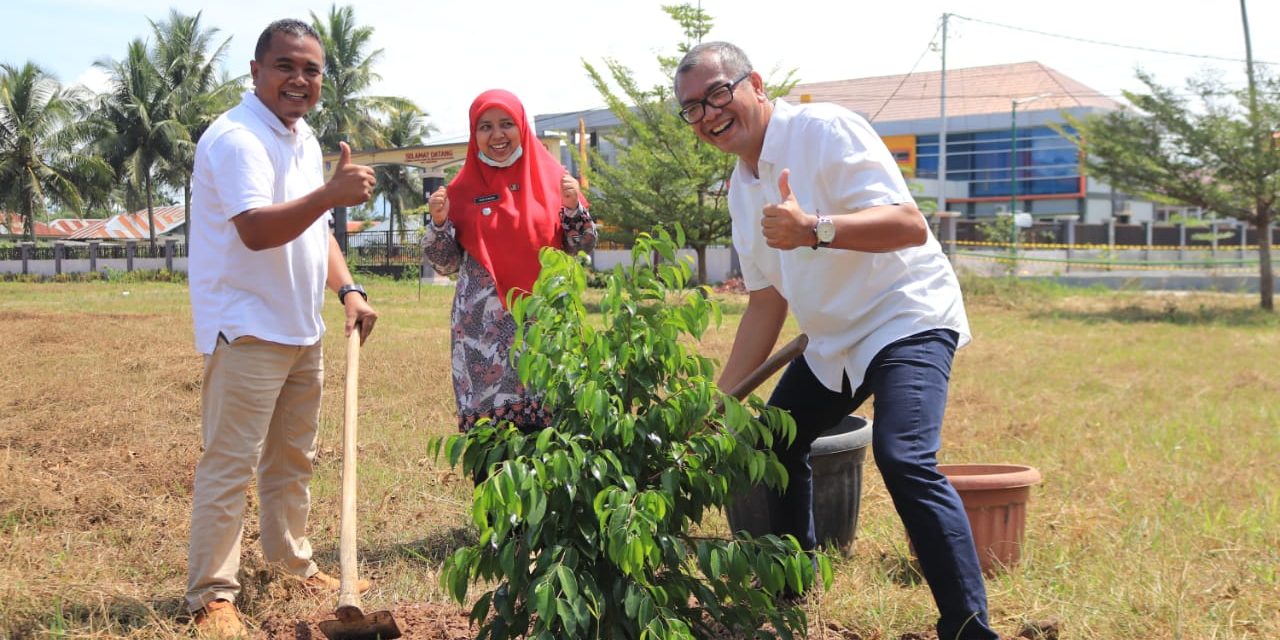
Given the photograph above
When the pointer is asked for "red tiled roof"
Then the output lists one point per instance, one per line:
(11, 224)
(68, 226)
(972, 91)
(131, 225)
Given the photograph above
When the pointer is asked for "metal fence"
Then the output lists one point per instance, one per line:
(93, 256)
(397, 254)
(1065, 247)
(1046, 247)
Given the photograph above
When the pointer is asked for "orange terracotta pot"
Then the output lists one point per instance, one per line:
(995, 498)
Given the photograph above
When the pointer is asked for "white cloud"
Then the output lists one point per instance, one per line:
(93, 79)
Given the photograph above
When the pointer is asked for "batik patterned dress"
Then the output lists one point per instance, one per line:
(485, 380)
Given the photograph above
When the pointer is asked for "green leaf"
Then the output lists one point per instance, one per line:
(544, 600)
(568, 582)
(824, 565)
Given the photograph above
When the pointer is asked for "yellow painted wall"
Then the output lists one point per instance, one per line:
(903, 149)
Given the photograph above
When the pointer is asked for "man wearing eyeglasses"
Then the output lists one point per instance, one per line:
(827, 229)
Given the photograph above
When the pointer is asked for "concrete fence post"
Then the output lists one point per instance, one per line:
(1182, 242)
(1149, 229)
(27, 248)
(947, 233)
(130, 249)
(1068, 236)
(93, 256)
(168, 253)
(59, 249)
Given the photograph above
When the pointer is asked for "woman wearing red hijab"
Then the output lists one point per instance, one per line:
(511, 199)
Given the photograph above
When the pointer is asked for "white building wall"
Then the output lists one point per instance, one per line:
(717, 261)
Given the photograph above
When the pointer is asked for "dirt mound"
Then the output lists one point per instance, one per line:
(419, 621)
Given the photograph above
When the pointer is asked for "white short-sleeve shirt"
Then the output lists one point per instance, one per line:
(248, 159)
(850, 303)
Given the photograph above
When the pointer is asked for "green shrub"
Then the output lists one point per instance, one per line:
(587, 527)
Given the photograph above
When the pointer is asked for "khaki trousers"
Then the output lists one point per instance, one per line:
(260, 409)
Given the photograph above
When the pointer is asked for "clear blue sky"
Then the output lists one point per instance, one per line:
(441, 53)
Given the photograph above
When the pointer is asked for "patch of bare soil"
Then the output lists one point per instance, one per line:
(429, 621)
(417, 621)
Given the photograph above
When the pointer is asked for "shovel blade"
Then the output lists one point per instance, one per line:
(378, 625)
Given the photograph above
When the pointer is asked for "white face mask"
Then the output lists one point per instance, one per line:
(505, 163)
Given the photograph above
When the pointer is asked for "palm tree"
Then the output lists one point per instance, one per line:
(140, 131)
(41, 145)
(399, 187)
(187, 61)
(345, 113)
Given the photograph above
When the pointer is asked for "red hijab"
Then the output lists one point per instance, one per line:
(522, 201)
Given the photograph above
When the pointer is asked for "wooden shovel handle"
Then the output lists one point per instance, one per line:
(348, 595)
(789, 351)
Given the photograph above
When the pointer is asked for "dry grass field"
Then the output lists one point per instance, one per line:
(1154, 418)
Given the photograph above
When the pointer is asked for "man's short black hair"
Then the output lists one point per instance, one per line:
(290, 26)
(733, 61)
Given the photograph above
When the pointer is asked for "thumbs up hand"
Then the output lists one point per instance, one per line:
(438, 205)
(785, 224)
(351, 184)
(569, 192)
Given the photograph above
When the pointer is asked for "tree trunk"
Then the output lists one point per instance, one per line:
(28, 220)
(151, 218)
(701, 251)
(186, 211)
(1266, 277)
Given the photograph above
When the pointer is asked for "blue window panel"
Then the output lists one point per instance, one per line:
(989, 189)
(1051, 187)
(1048, 163)
(926, 166)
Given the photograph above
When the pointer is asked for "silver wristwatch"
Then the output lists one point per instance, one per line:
(824, 232)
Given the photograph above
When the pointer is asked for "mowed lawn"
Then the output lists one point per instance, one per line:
(1154, 418)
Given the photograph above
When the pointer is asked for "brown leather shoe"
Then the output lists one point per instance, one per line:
(321, 581)
(218, 619)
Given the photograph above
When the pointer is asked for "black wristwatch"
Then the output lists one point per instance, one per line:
(348, 288)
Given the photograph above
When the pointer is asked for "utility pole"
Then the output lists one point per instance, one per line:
(1013, 147)
(942, 130)
(1266, 282)
(1013, 160)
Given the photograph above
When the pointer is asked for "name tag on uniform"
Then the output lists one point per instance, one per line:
(488, 198)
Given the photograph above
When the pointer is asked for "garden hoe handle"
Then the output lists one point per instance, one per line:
(789, 351)
(352, 622)
(348, 595)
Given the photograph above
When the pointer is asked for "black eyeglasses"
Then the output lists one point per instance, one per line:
(719, 97)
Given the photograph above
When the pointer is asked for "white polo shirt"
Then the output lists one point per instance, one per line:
(248, 159)
(850, 303)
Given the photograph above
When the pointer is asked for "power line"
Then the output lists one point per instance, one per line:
(1111, 44)
(1065, 94)
(927, 49)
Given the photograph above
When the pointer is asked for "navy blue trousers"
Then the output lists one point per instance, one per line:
(908, 380)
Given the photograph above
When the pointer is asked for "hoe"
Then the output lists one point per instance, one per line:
(352, 622)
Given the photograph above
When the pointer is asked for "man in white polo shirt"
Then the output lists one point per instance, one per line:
(826, 228)
(261, 255)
